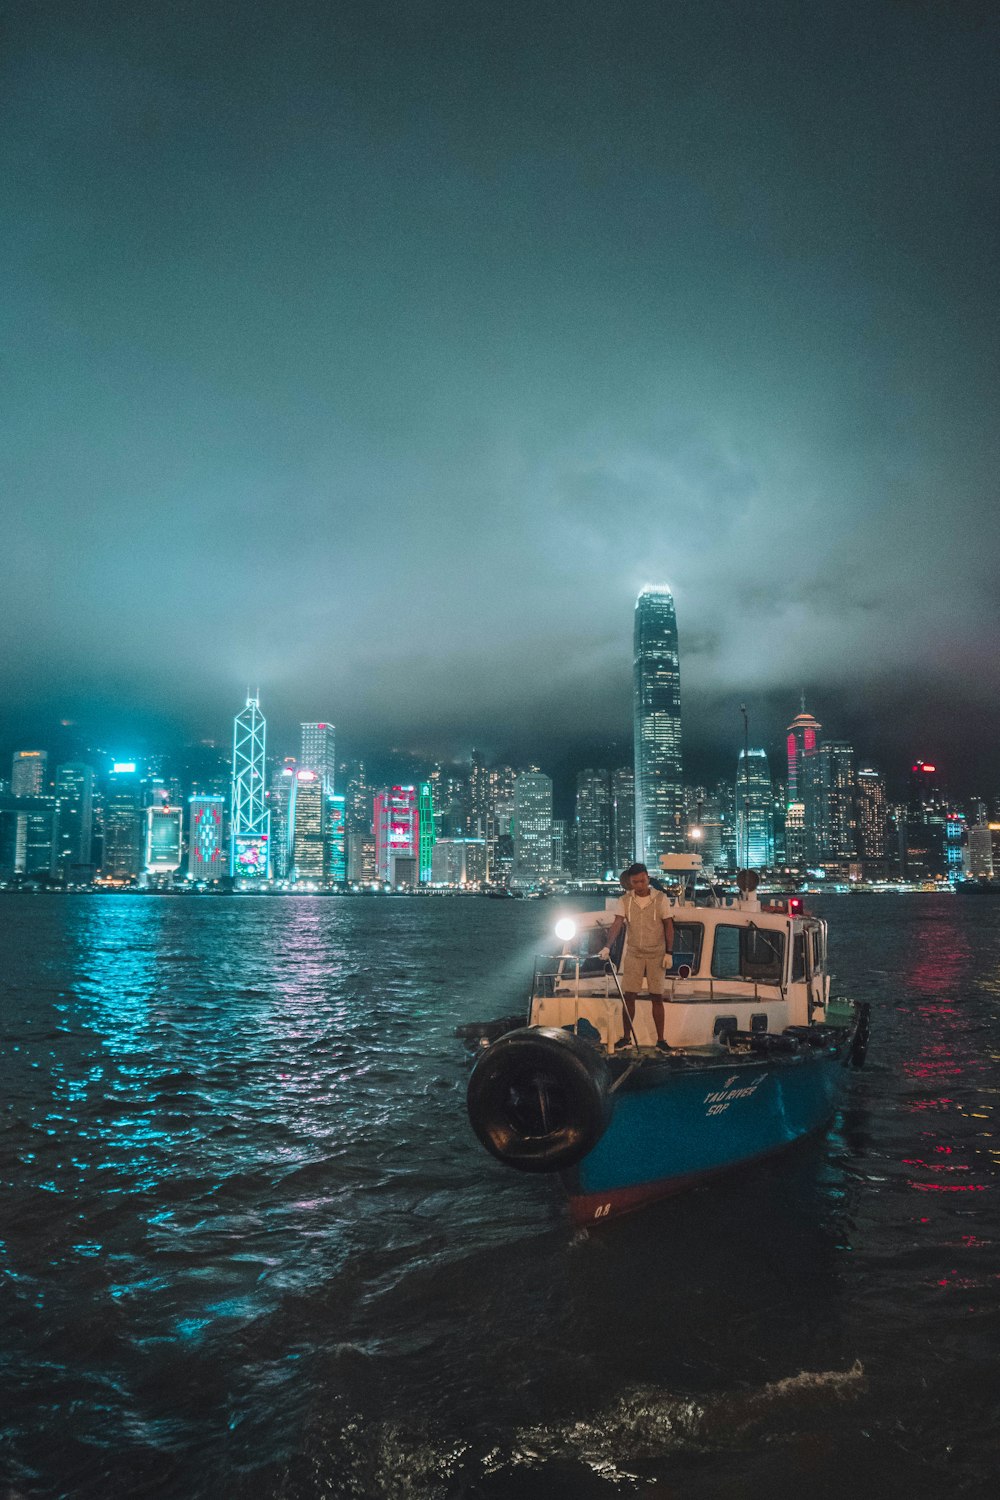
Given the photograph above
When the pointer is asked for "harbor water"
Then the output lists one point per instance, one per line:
(249, 1245)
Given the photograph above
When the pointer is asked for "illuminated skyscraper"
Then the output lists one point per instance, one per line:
(622, 817)
(479, 796)
(835, 818)
(75, 793)
(871, 819)
(281, 800)
(426, 810)
(319, 753)
(397, 830)
(123, 829)
(360, 856)
(593, 824)
(308, 855)
(458, 862)
(754, 814)
(163, 839)
(802, 840)
(499, 828)
(28, 836)
(205, 850)
(358, 799)
(249, 852)
(979, 853)
(925, 854)
(803, 742)
(532, 828)
(955, 840)
(29, 773)
(713, 831)
(336, 840)
(659, 793)
(926, 801)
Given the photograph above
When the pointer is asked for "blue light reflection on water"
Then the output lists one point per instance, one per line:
(250, 1242)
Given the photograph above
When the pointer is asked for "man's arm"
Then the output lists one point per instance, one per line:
(616, 928)
(668, 938)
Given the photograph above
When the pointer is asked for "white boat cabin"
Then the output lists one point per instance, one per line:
(742, 966)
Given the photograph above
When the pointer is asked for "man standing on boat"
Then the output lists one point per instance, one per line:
(645, 913)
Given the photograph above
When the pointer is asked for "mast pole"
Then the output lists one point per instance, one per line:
(746, 787)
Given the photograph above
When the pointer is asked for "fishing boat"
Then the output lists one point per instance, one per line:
(756, 1052)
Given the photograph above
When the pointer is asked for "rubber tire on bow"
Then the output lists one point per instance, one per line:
(539, 1099)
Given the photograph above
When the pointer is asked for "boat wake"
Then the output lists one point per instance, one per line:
(617, 1443)
(648, 1424)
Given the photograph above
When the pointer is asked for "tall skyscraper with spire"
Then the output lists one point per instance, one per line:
(801, 810)
(249, 857)
(659, 792)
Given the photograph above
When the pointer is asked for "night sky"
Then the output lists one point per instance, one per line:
(379, 353)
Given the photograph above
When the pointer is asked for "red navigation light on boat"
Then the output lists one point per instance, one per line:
(795, 905)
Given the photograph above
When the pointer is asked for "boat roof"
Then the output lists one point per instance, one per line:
(740, 910)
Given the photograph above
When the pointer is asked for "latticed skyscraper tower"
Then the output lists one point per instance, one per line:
(659, 792)
(251, 819)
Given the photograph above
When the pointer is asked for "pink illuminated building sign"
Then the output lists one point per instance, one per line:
(802, 742)
(397, 828)
(206, 858)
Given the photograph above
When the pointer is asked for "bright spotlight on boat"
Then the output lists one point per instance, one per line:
(565, 929)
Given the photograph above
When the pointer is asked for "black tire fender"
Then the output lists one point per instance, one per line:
(539, 1099)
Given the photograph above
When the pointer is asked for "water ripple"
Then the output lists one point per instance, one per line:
(249, 1245)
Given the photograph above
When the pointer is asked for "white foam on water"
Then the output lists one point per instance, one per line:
(647, 1423)
(643, 1424)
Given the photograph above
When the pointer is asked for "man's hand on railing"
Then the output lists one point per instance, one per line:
(604, 954)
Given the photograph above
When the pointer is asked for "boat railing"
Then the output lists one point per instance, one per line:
(573, 975)
(587, 976)
(725, 986)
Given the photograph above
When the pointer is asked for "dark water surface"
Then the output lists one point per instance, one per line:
(250, 1247)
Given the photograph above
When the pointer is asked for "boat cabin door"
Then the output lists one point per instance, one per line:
(815, 968)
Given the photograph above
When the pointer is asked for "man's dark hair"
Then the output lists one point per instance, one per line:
(626, 875)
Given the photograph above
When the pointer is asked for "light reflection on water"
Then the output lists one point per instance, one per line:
(250, 1244)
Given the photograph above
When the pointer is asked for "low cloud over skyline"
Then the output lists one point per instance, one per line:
(380, 357)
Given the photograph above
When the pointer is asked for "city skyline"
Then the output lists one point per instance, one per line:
(482, 825)
(389, 763)
(378, 358)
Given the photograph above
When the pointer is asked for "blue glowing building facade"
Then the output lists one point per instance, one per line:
(754, 812)
(249, 857)
(659, 791)
(336, 840)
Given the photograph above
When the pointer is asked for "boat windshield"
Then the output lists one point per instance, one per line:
(750, 953)
(687, 942)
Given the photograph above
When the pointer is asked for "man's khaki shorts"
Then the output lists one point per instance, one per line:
(636, 966)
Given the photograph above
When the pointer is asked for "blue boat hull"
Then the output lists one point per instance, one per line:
(676, 1125)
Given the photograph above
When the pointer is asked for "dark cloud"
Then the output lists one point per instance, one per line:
(380, 354)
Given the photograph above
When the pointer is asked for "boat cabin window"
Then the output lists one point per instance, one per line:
(799, 957)
(753, 953)
(816, 953)
(686, 949)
